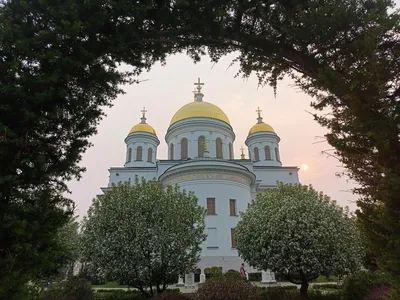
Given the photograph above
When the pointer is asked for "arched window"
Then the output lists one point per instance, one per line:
(218, 145)
(277, 154)
(139, 153)
(230, 151)
(267, 153)
(201, 142)
(256, 154)
(129, 155)
(171, 151)
(150, 155)
(184, 148)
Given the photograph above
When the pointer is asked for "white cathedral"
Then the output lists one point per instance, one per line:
(201, 159)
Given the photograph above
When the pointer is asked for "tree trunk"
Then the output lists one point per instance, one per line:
(159, 291)
(304, 289)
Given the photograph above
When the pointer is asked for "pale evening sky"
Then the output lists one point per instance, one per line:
(170, 87)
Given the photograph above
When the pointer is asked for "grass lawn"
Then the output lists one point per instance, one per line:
(110, 285)
(321, 279)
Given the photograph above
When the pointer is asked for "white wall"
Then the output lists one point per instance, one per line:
(222, 191)
(260, 140)
(146, 141)
(269, 176)
(128, 174)
(222, 181)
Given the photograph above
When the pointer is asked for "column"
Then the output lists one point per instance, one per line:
(180, 281)
(202, 276)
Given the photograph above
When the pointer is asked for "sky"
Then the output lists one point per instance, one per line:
(169, 87)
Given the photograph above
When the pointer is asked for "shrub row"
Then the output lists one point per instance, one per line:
(231, 286)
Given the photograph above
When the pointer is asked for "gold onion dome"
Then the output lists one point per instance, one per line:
(199, 109)
(260, 126)
(143, 126)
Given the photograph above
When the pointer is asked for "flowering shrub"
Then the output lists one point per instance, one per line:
(229, 286)
(366, 286)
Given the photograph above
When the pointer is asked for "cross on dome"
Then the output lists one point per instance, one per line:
(198, 96)
(199, 84)
(144, 111)
(242, 155)
(258, 111)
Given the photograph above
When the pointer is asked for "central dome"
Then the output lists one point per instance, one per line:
(199, 109)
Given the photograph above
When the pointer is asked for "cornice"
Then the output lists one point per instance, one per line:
(143, 135)
(185, 169)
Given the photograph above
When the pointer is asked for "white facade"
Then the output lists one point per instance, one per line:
(211, 171)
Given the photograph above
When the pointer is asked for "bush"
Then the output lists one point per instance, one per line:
(280, 294)
(229, 286)
(362, 284)
(378, 293)
(291, 293)
(114, 294)
(318, 295)
(73, 289)
(170, 296)
(212, 272)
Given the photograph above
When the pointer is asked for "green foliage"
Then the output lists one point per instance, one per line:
(290, 293)
(143, 235)
(229, 286)
(212, 272)
(75, 288)
(170, 296)
(295, 230)
(60, 68)
(319, 295)
(322, 278)
(362, 284)
(118, 295)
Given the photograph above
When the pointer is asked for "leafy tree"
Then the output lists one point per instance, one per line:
(143, 235)
(69, 239)
(59, 67)
(295, 230)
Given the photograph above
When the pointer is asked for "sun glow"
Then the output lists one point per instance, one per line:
(304, 167)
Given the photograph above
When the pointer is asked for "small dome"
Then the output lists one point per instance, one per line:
(199, 109)
(143, 126)
(261, 127)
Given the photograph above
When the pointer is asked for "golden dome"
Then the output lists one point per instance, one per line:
(261, 127)
(199, 109)
(143, 127)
